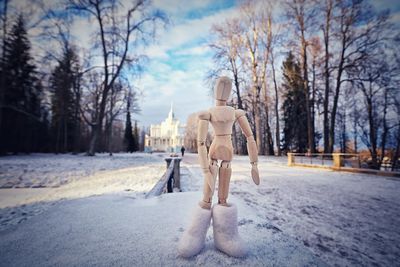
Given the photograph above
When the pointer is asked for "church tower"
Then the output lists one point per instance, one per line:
(171, 114)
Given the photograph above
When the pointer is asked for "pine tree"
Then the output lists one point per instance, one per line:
(64, 121)
(294, 107)
(129, 141)
(22, 125)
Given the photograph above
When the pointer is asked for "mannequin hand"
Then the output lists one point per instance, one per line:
(255, 174)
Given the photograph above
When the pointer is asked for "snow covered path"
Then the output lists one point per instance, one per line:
(344, 218)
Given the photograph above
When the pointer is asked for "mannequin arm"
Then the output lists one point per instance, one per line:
(204, 118)
(251, 144)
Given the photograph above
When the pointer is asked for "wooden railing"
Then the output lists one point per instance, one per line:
(170, 181)
(334, 161)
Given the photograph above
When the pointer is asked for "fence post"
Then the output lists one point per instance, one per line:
(337, 160)
(175, 180)
(291, 161)
(177, 173)
(168, 160)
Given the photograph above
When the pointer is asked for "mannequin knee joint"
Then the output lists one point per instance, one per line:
(226, 164)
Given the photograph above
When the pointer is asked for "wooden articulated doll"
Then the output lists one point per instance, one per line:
(224, 215)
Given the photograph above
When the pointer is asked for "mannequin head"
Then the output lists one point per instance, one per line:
(222, 90)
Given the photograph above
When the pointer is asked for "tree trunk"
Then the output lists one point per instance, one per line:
(310, 134)
(337, 93)
(312, 102)
(327, 77)
(269, 140)
(385, 127)
(277, 130)
(344, 137)
(372, 134)
(93, 141)
(258, 126)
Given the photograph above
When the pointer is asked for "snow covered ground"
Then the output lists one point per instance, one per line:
(343, 218)
(51, 170)
(116, 230)
(82, 176)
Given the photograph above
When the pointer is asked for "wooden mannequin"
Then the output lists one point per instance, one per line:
(224, 215)
(222, 118)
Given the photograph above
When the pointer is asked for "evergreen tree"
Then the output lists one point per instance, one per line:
(22, 126)
(129, 140)
(64, 120)
(294, 107)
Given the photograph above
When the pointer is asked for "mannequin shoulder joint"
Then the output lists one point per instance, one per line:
(239, 113)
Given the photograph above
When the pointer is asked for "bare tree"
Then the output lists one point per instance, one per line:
(251, 32)
(266, 40)
(127, 26)
(277, 127)
(373, 79)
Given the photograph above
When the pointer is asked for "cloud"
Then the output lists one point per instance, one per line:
(184, 88)
(194, 51)
(190, 31)
(179, 7)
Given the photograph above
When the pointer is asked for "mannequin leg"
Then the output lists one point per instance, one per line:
(224, 216)
(193, 239)
(209, 185)
(225, 172)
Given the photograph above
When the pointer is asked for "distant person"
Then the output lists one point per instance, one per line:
(183, 150)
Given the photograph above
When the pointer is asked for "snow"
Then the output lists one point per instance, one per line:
(116, 230)
(341, 218)
(52, 170)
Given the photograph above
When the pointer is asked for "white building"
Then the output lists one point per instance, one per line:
(167, 136)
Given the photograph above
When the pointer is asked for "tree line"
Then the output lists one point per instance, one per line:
(313, 75)
(65, 96)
